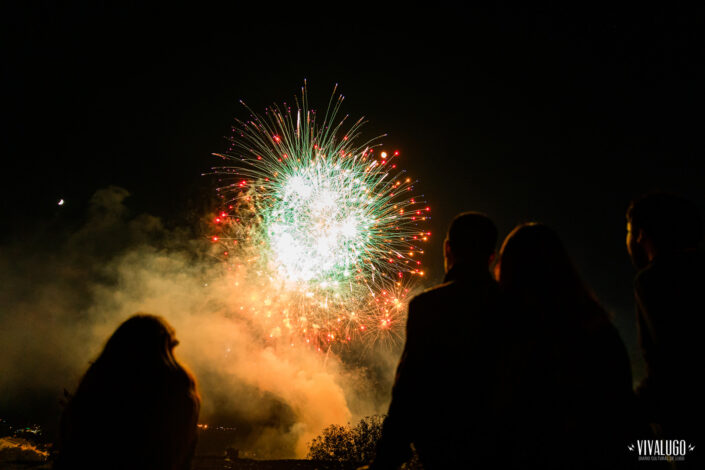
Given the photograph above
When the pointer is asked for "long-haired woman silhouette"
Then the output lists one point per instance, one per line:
(573, 395)
(136, 407)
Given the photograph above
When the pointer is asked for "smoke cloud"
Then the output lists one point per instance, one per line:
(62, 295)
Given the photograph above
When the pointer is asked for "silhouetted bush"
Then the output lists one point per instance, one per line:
(348, 444)
(352, 445)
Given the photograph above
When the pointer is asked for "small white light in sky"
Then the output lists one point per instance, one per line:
(61, 202)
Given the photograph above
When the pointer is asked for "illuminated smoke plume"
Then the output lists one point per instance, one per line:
(290, 331)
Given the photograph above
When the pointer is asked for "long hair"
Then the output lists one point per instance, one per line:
(535, 268)
(572, 386)
(136, 406)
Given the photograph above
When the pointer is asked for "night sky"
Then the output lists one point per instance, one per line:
(554, 116)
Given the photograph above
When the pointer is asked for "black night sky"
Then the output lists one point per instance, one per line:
(558, 116)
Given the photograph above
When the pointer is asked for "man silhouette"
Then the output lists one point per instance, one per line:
(443, 395)
(663, 233)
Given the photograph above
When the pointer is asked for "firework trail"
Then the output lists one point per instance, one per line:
(327, 228)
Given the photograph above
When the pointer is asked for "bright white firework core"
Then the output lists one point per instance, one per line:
(317, 228)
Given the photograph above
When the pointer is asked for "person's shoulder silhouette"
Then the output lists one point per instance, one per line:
(136, 407)
(446, 367)
(663, 236)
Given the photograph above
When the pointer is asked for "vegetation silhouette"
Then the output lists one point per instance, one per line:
(352, 446)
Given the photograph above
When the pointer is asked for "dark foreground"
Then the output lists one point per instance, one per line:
(220, 463)
(213, 463)
(30, 452)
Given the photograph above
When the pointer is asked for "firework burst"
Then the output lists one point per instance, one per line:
(322, 222)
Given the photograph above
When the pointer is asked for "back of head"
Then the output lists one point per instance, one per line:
(671, 222)
(141, 339)
(535, 266)
(141, 349)
(472, 237)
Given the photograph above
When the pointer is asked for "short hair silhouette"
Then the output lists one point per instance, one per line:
(672, 222)
(136, 406)
(472, 236)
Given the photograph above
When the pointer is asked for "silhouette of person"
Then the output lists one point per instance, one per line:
(663, 233)
(135, 408)
(572, 395)
(443, 391)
